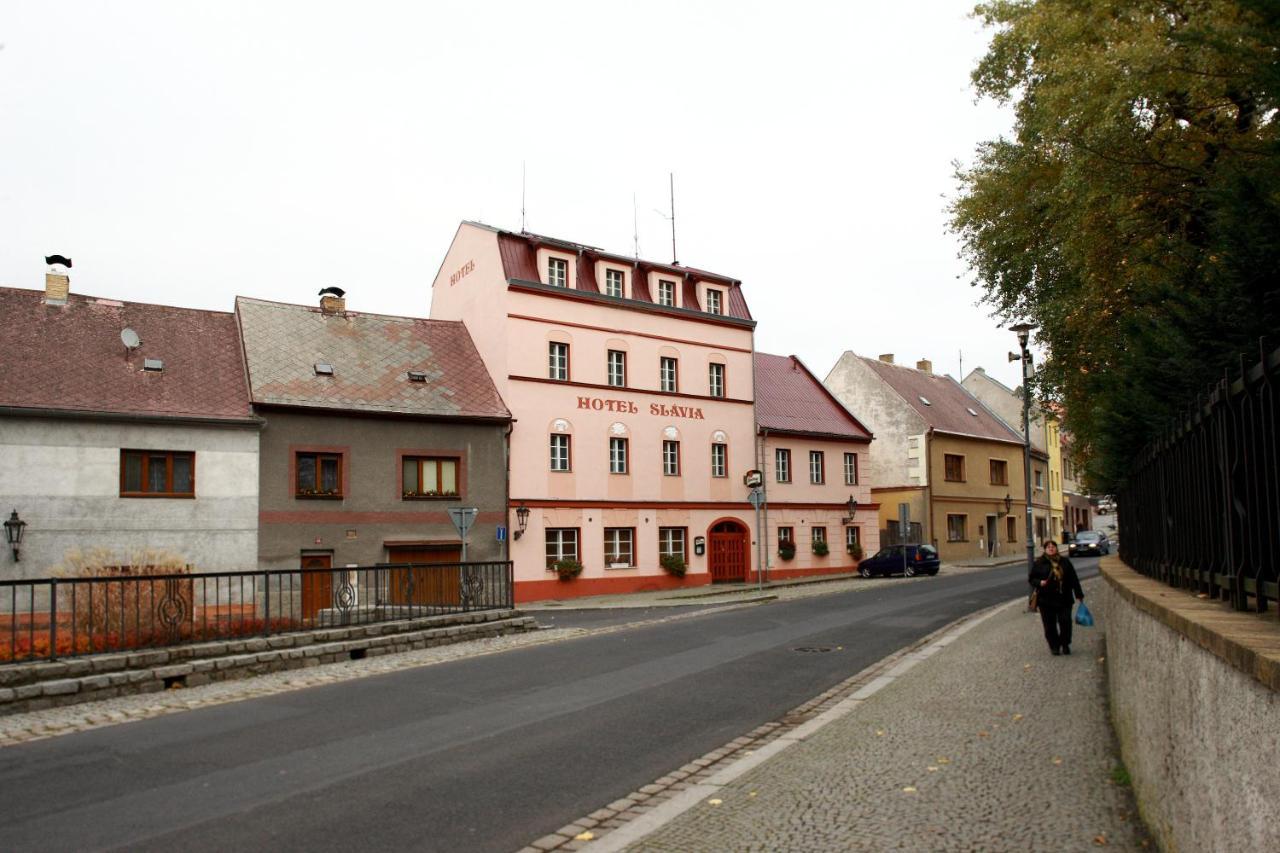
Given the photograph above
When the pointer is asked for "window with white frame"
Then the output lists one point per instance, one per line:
(782, 465)
(558, 361)
(1039, 479)
(562, 544)
(851, 537)
(619, 547)
(671, 541)
(668, 374)
(719, 460)
(818, 534)
(617, 368)
(557, 272)
(617, 455)
(786, 534)
(666, 292)
(817, 467)
(613, 283)
(714, 302)
(671, 458)
(559, 452)
(715, 379)
(851, 469)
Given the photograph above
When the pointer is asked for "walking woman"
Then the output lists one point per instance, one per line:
(1053, 581)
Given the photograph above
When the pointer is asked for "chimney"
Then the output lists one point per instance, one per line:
(333, 300)
(57, 284)
(924, 365)
(887, 357)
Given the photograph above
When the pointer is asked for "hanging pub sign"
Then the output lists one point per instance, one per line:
(753, 479)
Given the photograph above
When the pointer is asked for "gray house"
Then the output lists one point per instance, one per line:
(374, 427)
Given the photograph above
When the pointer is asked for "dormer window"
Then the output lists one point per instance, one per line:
(713, 302)
(666, 293)
(557, 272)
(613, 283)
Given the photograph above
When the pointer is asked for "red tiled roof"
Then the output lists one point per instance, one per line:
(371, 355)
(791, 399)
(519, 261)
(70, 357)
(950, 409)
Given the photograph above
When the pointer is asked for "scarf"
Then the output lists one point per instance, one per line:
(1055, 572)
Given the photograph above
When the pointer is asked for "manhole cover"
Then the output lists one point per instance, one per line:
(815, 649)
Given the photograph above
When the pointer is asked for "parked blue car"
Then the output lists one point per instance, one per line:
(909, 560)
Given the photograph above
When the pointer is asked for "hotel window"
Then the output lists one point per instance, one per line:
(713, 302)
(671, 458)
(956, 528)
(719, 460)
(786, 534)
(666, 293)
(1012, 524)
(817, 467)
(619, 547)
(429, 477)
(559, 453)
(671, 541)
(617, 455)
(562, 544)
(999, 472)
(782, 465)
(157, 474)
(954, 466)
(617, 368)
(851, 537)
(613, 283)
(851, 469)
(558, 361)
(818, 534)
(668, 374)
(557, 272)
(715, 379)
(319, 475)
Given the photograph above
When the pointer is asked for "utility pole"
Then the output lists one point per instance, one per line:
(1023, 330)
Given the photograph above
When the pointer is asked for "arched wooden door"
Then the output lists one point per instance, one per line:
(729, 545)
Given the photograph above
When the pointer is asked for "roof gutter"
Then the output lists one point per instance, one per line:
(126, 417)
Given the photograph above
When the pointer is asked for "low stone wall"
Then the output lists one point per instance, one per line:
(1195, 700)
(48, 684)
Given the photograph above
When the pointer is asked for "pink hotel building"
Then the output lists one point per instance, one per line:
(632, 386)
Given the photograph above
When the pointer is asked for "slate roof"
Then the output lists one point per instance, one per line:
(371, 355)
(791, 399)
(519, 253)
(950, 409)
(70, 358)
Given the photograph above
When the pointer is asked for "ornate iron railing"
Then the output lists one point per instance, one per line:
(1201, 508)
(53, 618)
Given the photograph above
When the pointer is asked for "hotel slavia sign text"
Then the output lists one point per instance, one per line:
(603, 404)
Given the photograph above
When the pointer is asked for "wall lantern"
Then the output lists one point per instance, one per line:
(522, 519)
(1008, 504)
(13, 530)
(852, 506)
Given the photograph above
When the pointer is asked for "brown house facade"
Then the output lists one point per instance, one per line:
(375, 426)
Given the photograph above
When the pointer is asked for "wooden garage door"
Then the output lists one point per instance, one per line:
(430, 586)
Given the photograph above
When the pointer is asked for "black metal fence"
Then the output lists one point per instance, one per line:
(1201, 509)
(63, 617)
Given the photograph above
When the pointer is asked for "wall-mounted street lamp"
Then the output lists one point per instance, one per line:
(13, 530)
(1023, 331)
(1008, 504)
(852, 506)
(522, 519)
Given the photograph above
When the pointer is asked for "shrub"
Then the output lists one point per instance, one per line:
(820, 548)
(121, 604)
(567, 569)
(786, 550)
(855, 551)
(674, 564)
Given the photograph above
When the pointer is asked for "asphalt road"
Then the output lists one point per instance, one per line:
(482, 754)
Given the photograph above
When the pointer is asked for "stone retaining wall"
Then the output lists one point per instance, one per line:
(47, 684)
(1195, 700)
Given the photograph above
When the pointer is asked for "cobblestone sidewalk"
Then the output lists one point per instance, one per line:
(989, 744)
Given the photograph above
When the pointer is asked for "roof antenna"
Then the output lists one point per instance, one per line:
(635, 226)
(522, 183)
(674, 260)
(962, 365)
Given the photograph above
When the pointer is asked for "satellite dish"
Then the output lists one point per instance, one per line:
(130, 339)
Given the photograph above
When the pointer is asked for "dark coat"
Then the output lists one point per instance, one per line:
(1055, 594)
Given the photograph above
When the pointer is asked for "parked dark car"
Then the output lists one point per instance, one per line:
(910, 560)
(1089, 543)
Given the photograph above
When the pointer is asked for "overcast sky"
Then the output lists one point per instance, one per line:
(185, 153)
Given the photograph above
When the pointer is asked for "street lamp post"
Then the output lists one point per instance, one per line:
(1023, 331)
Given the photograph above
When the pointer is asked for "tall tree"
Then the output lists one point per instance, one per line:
(1134, 216)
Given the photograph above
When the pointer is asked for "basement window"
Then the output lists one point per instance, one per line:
(323, 369)
(153, 364)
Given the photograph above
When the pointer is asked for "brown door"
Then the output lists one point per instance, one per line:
(729, 546)
(430, 586)
(317, 587)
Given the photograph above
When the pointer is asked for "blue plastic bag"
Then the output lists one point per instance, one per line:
(1083, 616)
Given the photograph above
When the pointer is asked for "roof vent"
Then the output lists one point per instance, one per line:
(152, 364)
(925, 400)
(971, 411)
(323, 368)
(417, 376)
